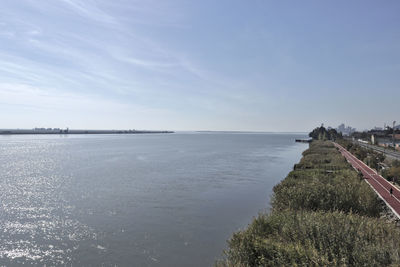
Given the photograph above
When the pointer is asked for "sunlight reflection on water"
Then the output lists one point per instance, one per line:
(155, 199)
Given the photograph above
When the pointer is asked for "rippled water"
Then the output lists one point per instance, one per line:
(134, 200)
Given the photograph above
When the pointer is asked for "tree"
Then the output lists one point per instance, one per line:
(394, 173)
(320, 133)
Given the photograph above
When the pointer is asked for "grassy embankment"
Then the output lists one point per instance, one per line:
(323, 213)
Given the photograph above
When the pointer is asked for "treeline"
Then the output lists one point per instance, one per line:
(387, 132)
(323, 213)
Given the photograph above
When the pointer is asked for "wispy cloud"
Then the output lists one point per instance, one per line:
(100, 53)
(51, 100)
(91, 10)
(128, 56)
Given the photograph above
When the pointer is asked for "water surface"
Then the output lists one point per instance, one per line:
(134, 200)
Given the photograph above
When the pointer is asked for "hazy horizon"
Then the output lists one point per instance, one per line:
(179, 65)
(177, 131)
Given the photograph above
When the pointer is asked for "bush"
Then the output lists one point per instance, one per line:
(293, 238)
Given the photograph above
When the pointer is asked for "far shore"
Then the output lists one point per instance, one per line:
(69, 131)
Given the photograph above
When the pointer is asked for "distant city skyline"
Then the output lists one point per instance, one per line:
(199, 65)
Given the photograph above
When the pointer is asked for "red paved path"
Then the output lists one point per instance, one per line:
(380, 184)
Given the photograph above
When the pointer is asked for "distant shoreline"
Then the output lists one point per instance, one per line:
(240, 132)
(69, 131)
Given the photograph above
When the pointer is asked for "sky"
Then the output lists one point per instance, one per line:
(254, 65)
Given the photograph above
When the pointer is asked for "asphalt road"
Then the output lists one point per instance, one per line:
(389, 153)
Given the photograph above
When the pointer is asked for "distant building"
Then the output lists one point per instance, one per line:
(345, 130)
(388, 142)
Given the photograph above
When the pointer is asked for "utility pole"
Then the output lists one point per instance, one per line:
(394, 122)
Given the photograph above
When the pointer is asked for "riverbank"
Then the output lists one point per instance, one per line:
(323, 213)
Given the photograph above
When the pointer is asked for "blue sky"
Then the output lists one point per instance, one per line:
(199, 65)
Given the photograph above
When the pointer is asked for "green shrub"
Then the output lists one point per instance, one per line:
(293, 238)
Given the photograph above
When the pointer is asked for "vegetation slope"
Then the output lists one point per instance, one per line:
(323, 213)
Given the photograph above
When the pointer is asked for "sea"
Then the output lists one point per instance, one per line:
(135, 199)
